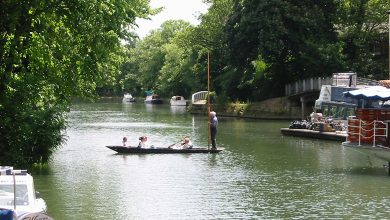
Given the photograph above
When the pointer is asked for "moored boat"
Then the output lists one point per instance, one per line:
(331, 110)
(128, 98)
(18, 196)
(178, 101)
(152, 98)
(368, 130)
(161, 150)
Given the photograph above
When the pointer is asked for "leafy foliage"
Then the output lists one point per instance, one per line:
(49, 52)
(257, 47)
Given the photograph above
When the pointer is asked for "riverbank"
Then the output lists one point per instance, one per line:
(276, 108)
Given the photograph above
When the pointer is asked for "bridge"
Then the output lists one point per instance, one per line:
(306, 91)
(199, 98)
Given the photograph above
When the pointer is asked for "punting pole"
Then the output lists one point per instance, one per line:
(208, 100)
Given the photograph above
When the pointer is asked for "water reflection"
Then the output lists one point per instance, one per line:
(178, 109)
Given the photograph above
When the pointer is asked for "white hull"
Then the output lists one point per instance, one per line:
(18, 195)
(179, 103)
(377, 151)
(128, 98)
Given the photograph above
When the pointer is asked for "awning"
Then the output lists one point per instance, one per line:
(374, 93)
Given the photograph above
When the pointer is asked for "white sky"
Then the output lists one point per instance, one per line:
(187, 10)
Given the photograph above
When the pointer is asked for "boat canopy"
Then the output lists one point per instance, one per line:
(375, 93)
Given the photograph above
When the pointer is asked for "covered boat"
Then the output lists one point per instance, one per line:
(152, 98)
(368, 130)
(161, 150)
(178, 101)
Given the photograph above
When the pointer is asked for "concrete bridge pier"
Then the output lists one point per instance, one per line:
(303, 110)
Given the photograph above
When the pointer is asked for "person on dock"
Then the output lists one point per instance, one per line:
(124, 141)
(186, 144)
(213, 128)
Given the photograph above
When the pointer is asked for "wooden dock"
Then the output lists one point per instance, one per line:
(333, 136)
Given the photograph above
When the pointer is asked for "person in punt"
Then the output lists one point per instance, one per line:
(143, 143)
(186, 144)
(124, 141)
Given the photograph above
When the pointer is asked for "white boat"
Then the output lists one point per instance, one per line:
(378, 151)
(18, 197)
(128, 98)
(178, 101)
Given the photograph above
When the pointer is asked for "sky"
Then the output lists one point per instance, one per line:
(187, 10)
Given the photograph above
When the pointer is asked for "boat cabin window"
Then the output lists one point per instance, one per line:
(7, 195)
(337, 111)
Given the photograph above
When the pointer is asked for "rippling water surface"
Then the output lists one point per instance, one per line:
(260, 175)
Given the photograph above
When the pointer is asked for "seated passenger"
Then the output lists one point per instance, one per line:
(143, 142)
(186, 144)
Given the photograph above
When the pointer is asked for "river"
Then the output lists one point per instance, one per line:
(260, 175)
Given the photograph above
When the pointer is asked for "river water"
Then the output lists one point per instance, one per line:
(260, 175)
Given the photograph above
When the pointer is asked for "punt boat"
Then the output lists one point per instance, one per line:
(162, 150)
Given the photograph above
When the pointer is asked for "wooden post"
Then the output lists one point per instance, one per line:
(208, 100)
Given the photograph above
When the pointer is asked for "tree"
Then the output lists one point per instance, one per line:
(49, 52)
(362, 25)
(151, 54)
(294, 40)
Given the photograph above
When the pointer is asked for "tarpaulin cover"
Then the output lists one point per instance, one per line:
(370, 93)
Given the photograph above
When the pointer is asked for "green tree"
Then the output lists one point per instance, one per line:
(209, 38)
(293, 40)
(151, 54)
(49, 52)
(362, 25)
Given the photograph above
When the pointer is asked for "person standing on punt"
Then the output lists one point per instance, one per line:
(213, 129)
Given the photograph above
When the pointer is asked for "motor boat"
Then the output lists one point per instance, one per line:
(178, 101)
(18, 198)
(128, 98)
(153, 99)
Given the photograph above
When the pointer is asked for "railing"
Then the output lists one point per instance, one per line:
(366, 81)
(315, 84)
(373, 132)
(199, 98)
(307, 85)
